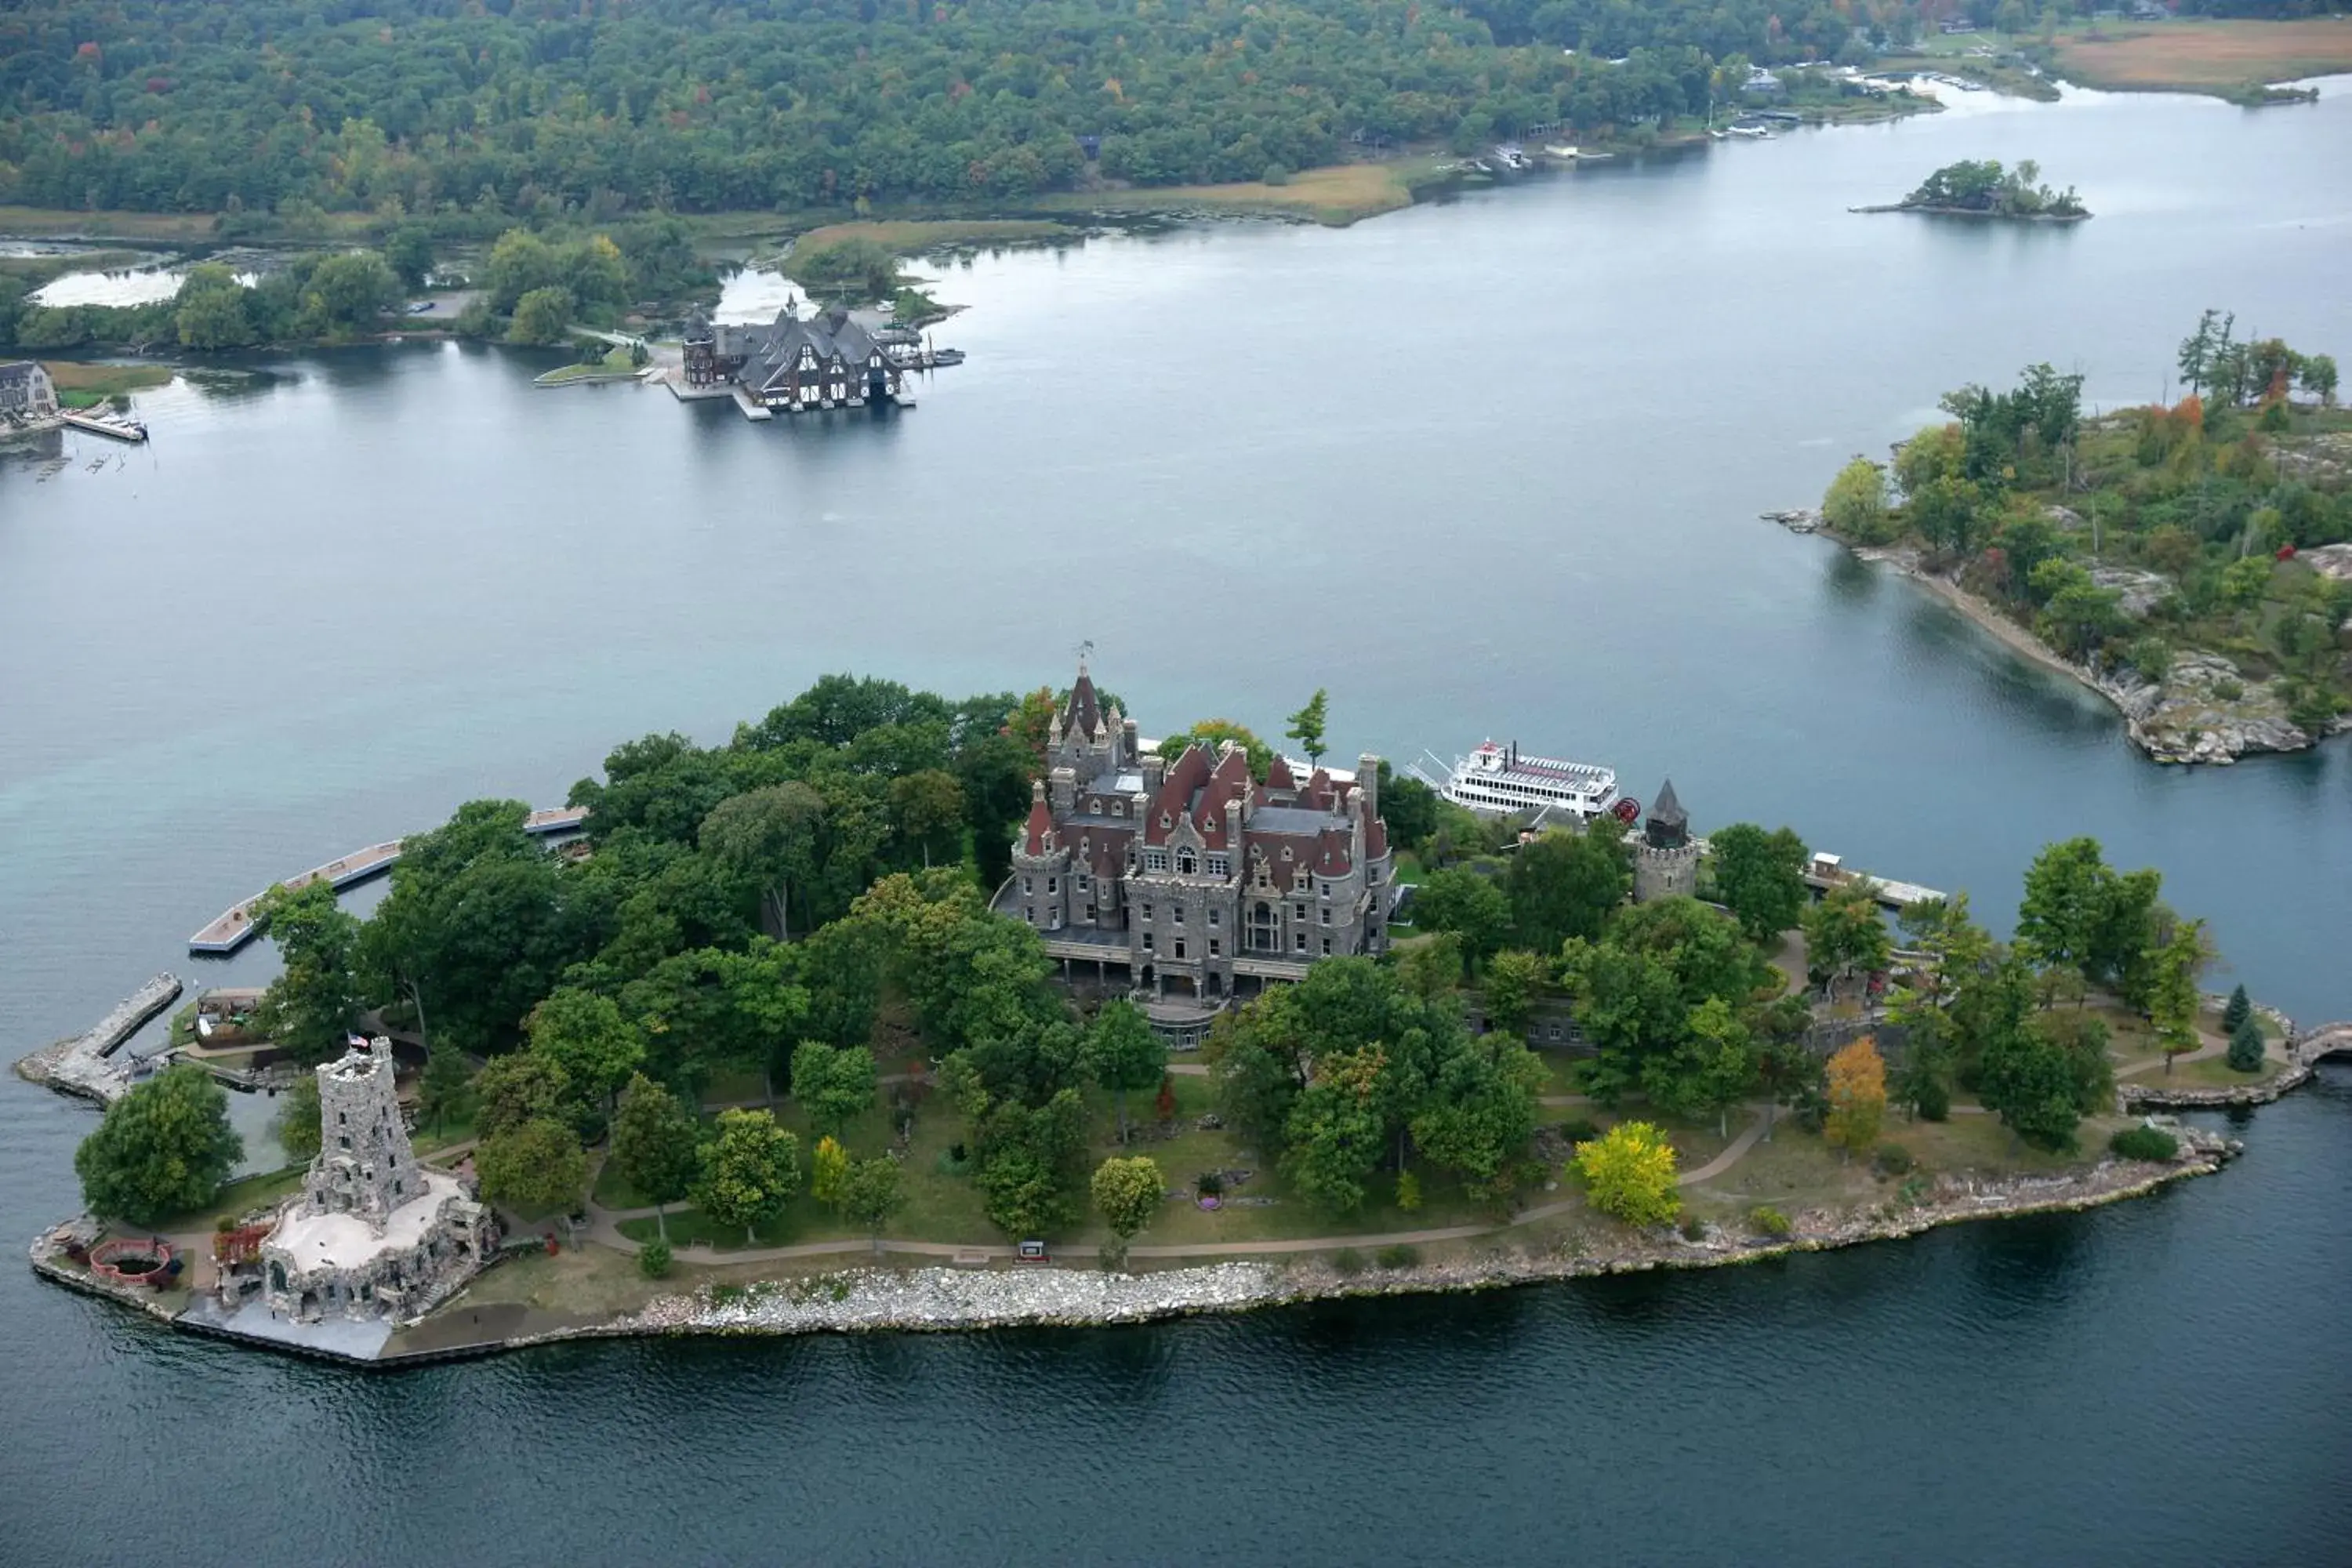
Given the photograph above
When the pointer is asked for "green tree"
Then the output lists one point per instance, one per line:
(1431, 966)
(2317, 377)
(2239, 1008)
(347, 293)
(163, 1149)
(2066, 895)
(1306, 725)
(771, 835)
(1335, 1132)
(2173, 996)
(211, 311)
(1843, 932)
(1124, 1052)
(1709, 1070)
(534, 1169)
(1479, 1112)
(1855, 506)
(1514, 981)
(520, 262)
(1022, 1195)
(2029, 1083)
(1629, 1173)
(309, 1008)
(834, 1084)
(1565, 884)
(519, 1088)
(586, 1035)
(1128, 1193)
(409, 254)
(1462, 902)
(296, 1122)
(1760, 877)
(1213, 733)
(655, 1146)
(750, 1169)
(927, 812)
(444, 1087)
(541, 317)
(871, 1193)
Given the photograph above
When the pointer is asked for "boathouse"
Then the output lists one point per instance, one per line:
(27, 393)
(826, 361)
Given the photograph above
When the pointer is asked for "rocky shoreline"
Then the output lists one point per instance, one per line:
(2204, 710)
(947, 1300)
(954, 1300)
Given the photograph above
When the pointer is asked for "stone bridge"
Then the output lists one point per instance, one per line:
(2310, 1045)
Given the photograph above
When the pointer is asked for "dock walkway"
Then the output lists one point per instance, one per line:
(234, 926)
(85, 1064)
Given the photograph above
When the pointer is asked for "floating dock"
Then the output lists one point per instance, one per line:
(236, 926)
(1825, 871)
(102, 424)
(84, 1064)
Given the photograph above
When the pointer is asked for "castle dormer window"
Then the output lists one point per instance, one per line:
(1187, 862)
(1163, 820)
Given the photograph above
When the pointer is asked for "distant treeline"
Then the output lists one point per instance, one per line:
(533, 108)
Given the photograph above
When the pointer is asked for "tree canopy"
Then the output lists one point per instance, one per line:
(163, 1149)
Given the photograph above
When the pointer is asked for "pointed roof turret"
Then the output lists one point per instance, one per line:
(1667, 811)
(1083, 716)
(1041, 820)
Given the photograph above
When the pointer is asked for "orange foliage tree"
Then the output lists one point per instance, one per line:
(1857, 1094)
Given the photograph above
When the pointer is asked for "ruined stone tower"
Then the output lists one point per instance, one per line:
(1665, 861)
(364, 1167)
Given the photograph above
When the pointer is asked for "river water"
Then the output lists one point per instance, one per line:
(1485, 468)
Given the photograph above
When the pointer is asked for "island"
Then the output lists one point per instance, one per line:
(896, 1011)
(1984, 190)
(2192, 563)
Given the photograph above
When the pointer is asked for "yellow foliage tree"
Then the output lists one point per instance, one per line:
(1630, 1172)
(828, 1166)
(1857, 1095)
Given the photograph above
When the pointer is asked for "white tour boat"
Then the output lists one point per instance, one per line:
(1501, 781)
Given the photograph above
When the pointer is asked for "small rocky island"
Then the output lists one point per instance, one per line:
(1983, 189)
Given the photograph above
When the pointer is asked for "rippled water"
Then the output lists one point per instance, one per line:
(1490, 468)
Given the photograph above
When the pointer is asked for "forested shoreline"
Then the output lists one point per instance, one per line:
(535, 107)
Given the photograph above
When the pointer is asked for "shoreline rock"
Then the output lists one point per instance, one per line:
(2189, 718)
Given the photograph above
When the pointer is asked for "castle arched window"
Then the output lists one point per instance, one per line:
(1187, 862)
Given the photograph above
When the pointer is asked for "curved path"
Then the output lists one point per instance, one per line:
(605, 1228)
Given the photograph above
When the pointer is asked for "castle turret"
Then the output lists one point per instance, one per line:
(1665, 861)
(364, 1165)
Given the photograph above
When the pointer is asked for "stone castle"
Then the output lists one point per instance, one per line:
(1191, 876)
(373, 1234)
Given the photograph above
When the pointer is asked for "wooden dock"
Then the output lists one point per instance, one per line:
(234, 926)
(1894, 895)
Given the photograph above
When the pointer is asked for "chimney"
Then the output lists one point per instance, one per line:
(1368, 784)
(1127, 741)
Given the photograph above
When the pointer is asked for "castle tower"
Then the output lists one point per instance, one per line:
(364, 1165)
(1665, 861)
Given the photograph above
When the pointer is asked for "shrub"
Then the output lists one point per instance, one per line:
(1766, 1220)
(1397, 1256)
(1579, 1130)
(654, 1259)
(1347, 1261)
(1693, 1228)
(2144, 1143)
(1408, 1191)
(1892, 1159)
(1210, 1184)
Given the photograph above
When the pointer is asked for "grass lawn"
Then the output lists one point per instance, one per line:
(734, 1087)
(2213, 1072)
(616, 362)
(2202, 56)
(1338, 194)
(67, 222)
(80, 385)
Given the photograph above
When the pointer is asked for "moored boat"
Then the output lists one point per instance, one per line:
(1499, 780)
